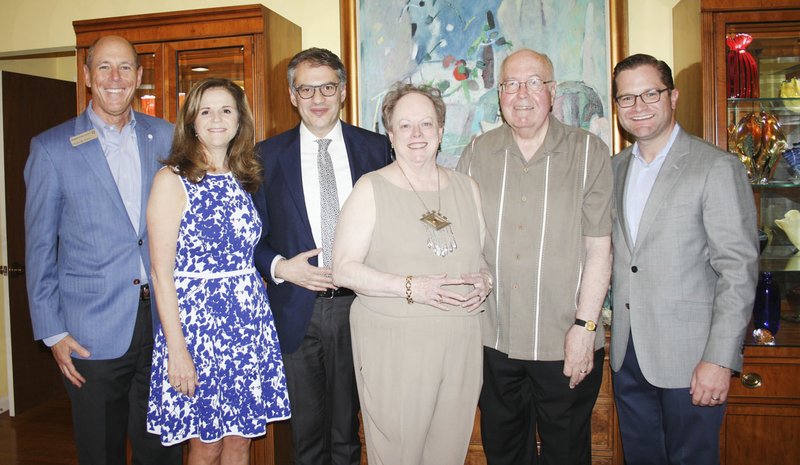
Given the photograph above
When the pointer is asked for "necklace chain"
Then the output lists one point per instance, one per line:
(438, 189)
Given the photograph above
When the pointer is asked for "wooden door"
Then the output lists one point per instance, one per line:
(30, 105)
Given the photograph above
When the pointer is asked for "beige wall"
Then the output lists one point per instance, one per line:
(47, 24)
(670, 30)
(35, 26)
(650, 28)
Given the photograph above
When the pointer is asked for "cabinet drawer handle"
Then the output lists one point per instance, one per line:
(751, 380)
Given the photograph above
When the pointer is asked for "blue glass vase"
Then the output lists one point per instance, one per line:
(767, 307)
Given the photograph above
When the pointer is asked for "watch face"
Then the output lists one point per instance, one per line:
(590, 325)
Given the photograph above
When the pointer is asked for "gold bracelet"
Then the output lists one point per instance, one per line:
(409, 300)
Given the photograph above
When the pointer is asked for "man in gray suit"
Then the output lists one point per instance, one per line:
(87, 260)
(684, 274)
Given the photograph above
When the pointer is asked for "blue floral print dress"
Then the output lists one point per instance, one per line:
(227, 323)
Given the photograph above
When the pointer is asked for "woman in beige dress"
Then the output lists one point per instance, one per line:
(409, 242)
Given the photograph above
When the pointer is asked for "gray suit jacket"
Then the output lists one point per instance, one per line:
(685, 289)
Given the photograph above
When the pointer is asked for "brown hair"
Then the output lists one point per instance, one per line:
(187, 154)
(400, 90)
(641, 59)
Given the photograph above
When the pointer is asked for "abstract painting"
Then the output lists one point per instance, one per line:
(458, 46)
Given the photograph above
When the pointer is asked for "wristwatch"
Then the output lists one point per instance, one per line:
(588, 324)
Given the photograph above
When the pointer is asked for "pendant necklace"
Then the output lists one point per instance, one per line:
(440, 234)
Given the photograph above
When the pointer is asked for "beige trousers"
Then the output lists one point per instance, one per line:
(418, 383)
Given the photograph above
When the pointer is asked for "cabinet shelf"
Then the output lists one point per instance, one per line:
(773, 402)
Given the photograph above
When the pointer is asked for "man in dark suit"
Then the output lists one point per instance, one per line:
(87, 257)
(308, 173)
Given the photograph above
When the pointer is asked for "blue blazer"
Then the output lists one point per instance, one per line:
(287, 231)
(82, 253)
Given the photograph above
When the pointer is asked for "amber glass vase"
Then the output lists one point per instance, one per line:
(742, 67)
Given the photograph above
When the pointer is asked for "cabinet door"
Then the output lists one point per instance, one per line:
(761, 434)
(191, 61)
(150, 94)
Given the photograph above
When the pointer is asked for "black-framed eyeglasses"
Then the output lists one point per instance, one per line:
(327, 90)
(533, 85)
(648, 96)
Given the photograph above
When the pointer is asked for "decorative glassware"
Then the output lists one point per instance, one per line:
(792, 158)
(790, 224)
(759, 141)
(742, 67)
(767, 306)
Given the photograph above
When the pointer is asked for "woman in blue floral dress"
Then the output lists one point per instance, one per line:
(217, 375)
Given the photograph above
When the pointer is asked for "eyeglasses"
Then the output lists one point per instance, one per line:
(648, 96)
(533, 85)
(327, 90)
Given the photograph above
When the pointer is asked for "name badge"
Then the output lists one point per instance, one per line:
(83, 138)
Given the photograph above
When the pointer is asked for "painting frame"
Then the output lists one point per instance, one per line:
(617, 46)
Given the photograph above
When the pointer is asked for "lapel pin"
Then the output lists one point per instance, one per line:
(150, 136)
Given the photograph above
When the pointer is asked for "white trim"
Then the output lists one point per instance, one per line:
(538, 297)
(5, 303)
(497, 251)
(213, 275)
(583, 190)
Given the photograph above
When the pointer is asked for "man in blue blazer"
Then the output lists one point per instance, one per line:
(318, 160)
(87, 257)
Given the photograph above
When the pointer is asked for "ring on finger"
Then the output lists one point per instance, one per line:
(584, 372)
(715, 398)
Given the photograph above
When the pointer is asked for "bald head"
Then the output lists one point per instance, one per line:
(528, 55)
(110, 40)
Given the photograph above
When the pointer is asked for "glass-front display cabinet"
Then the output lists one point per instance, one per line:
(751, 108)
(250, 45)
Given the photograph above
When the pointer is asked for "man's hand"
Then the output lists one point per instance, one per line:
(62, 352)
(298, 271)
(710, 384)
(578, 354)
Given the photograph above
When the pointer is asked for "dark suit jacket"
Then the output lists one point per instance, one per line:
(287, 231)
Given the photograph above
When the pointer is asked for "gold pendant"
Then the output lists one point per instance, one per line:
(435, 219)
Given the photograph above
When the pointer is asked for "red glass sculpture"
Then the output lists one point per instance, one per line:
(742, 67)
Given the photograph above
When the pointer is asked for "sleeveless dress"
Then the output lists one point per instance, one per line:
(418, 369)
(226, 320)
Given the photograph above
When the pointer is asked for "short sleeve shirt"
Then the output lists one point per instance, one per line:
(537, 214)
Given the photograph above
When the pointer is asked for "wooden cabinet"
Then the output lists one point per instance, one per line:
(762, 421)
(250, 45)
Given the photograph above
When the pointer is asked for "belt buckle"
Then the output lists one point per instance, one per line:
(144, 292)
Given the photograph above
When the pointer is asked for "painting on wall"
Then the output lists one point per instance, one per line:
(458, 47)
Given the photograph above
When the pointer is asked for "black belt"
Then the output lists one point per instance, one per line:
(144, 292)
(338, 292)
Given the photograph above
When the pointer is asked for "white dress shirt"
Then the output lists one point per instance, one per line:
(641, 178)
(309, 151)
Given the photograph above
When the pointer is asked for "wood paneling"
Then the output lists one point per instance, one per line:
(267, 39)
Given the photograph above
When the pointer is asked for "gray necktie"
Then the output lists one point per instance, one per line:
(328, 199)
